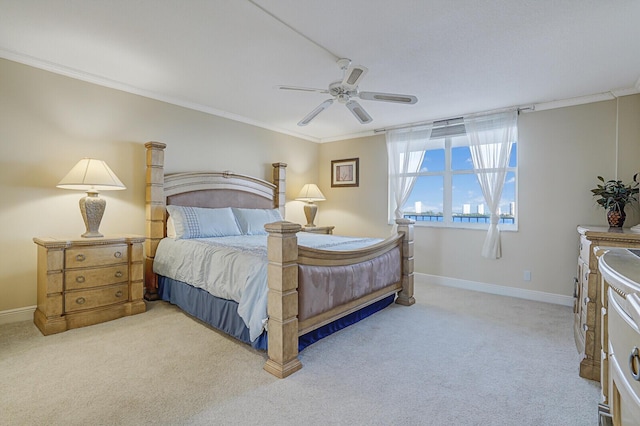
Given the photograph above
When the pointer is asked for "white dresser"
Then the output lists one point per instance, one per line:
(620, 321)
(587, 303)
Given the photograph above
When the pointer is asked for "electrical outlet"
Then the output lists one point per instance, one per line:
(526, 276)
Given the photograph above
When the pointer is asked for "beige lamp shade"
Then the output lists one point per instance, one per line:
(91, 175)
(310, 193)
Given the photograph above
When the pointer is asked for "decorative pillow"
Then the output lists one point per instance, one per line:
(252, 221)
(197, 222)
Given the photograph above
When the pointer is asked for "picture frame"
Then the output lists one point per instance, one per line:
(345, 173)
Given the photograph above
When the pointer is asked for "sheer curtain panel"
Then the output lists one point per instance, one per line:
(405, 148)
(490, 140)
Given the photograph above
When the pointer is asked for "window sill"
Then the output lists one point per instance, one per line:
(466, 226)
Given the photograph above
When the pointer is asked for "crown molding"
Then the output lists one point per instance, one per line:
(114, 84)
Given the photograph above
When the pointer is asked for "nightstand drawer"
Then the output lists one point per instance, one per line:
(86, 278)
(80, 300)
(82, 257)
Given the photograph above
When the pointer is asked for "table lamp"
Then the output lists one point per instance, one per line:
(91, 175)
(310, 193)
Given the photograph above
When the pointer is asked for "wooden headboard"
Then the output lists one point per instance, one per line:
(199, 189)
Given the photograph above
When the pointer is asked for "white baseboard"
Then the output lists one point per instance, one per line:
(520, 293)
(26, 313)
(16, 315)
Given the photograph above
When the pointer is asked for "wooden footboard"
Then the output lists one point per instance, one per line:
(286, 259)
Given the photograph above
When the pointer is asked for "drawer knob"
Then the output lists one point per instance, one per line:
(585, 327)
(80, 300)
(119, 293)
(118, 254)
(80, 258)
(634, 360)
(587, 300)
(118, 274)
(80, 279)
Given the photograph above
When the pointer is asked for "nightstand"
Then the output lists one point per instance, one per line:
(319, 229)
(86, 281)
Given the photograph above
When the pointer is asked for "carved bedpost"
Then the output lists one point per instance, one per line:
(405, 297)
(280, 181)
(155, 210)
(282, 300)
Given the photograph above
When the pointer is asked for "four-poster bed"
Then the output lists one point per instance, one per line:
(307, 289)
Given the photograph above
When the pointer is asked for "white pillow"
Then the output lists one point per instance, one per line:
(197, 222)
(171, 228)
(252, 221)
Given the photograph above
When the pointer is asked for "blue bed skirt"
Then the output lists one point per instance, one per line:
(222, 314)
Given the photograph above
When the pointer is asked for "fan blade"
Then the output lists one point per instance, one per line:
(313, 114)
(359, 112)
(353, 76)
(388, 97)
(303, 89)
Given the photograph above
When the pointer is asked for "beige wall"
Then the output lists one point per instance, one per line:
(561, 151)
(48, 122)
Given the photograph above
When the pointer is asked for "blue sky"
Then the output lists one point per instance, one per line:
(466, 190)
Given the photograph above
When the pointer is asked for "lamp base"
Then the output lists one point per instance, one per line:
(92, 208)
(310, 211)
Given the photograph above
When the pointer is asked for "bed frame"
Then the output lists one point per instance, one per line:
(284, 255)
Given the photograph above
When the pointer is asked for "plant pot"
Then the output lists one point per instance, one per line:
(616, 218)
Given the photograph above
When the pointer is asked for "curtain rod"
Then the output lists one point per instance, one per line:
(450, 121)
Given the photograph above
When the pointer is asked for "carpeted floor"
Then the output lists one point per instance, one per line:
(454, 358)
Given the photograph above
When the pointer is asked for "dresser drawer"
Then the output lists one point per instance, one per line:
(103, 296)
(83, 257)
(585, 249)
(86, 278)
(624, 341)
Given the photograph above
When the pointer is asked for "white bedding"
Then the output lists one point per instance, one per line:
(235, 267)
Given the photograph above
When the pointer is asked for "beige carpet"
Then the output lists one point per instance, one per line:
(455, 358)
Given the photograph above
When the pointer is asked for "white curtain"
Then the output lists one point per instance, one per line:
(405, 148)
(490, 141)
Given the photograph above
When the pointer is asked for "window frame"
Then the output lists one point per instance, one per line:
(448, 132)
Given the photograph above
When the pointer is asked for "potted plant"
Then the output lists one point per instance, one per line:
(614, 195)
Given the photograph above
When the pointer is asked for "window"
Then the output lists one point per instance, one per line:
(446, 191)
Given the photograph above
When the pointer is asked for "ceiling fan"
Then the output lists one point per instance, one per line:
(346, 89)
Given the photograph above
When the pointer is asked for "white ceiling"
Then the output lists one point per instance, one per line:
(226, 56)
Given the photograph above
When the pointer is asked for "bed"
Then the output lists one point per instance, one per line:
(311, 285)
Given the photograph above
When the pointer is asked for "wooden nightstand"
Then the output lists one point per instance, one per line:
(86, 281)
(319, 229)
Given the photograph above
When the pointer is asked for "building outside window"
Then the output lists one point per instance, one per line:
(446, 192)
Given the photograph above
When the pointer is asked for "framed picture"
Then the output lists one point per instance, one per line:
(345, 172)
